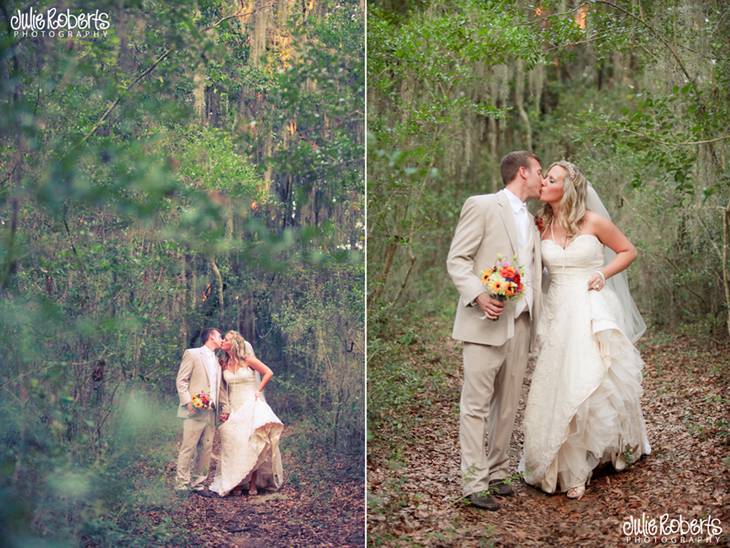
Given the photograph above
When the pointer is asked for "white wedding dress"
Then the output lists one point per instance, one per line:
(249, 438)
(583, 408)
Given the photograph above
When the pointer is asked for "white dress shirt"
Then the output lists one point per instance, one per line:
(211, 365)
(519, 209)
(522, 222)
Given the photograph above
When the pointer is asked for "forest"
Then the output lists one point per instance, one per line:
(195, 164)
(637, 94)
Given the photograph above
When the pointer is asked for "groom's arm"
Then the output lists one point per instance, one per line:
(183, 378)
(464, 246)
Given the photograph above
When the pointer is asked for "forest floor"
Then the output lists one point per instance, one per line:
(413, 462)
(320, 504)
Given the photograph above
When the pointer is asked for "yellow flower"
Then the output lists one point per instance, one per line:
(496, 287)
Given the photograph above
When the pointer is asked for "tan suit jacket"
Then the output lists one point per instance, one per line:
(485, 230)
(192, 378)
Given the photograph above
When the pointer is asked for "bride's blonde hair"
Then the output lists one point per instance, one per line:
(573, 202)
(238, 347)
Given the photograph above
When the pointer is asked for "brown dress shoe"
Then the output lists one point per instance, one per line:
(483, 500)
(500, 488)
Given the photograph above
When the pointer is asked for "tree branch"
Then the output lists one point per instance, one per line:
(118, 100)
(655, 33)
(149, 69)
(236, 15)
(680, 143)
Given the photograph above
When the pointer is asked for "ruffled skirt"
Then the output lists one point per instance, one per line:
(249, 442)
(583, 408)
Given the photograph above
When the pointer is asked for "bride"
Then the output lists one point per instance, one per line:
(583, 408)
(250, 434)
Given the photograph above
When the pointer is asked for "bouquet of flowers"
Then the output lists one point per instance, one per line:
(201, 402)
(503, 281)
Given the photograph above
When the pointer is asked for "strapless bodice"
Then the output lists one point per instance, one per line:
(574, 263)
(241, 376)
(242, 385)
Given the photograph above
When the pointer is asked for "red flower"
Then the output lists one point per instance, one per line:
(539, 223)
(507, 272)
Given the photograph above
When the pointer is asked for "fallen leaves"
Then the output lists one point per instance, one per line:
(314, 512)
(414, 480)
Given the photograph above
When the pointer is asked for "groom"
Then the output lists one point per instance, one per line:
(495, 346)
(199, 373)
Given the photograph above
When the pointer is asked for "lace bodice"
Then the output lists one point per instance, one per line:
(242, 385)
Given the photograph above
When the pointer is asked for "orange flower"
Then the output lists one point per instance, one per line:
(507, 272)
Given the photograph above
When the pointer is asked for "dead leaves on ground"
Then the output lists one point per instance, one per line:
(414, 483)
(305, 512)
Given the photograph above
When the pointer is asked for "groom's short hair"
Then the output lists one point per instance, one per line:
(513, 161)
(206, 333)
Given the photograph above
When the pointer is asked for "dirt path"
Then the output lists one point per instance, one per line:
(320, 504)
(414, 479)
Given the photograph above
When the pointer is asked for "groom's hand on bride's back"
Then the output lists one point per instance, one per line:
(493, 308)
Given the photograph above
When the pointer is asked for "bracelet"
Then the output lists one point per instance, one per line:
(602, 275)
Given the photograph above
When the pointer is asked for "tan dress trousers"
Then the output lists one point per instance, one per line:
(490, 396)
(195, 449)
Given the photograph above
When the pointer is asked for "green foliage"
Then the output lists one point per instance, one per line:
(209, 161)
(121, 238)
(454, 86)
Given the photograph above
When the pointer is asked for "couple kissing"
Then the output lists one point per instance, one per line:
(564, 296)
(226, 394)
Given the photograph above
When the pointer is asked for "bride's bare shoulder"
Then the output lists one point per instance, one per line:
(594, 223)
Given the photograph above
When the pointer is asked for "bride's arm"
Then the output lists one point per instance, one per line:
(612, 237)
(261, 367)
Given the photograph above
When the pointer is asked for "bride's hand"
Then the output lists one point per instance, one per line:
(258, 394)
(597, 281)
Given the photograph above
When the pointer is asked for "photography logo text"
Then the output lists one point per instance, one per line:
(671, 530)
(55, 23)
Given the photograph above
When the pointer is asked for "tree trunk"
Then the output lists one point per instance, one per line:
(261, 24)
(383, 276)
(219, 283)
(519, 101)
(725, 266)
